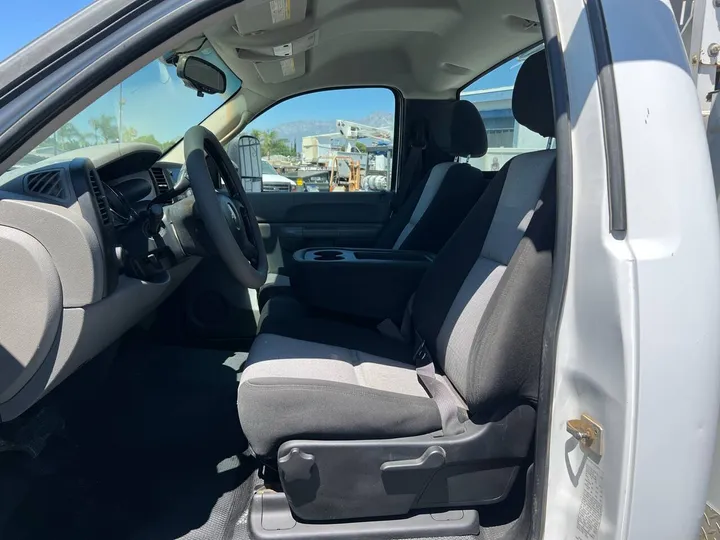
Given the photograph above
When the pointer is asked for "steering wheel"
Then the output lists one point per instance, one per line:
(229, 218)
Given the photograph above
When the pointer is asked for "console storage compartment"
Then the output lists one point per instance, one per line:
(372, 283)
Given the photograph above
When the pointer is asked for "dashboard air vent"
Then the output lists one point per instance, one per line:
(46, 183)
(161, 180)
(99, 195)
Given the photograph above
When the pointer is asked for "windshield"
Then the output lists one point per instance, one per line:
(151, 106)
(267, 168)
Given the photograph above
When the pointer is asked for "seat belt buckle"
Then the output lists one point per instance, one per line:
(422, 355)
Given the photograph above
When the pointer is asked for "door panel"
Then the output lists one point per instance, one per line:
(292, 221)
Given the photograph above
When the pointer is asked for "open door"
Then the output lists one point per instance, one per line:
(636, 371)
(710, 526)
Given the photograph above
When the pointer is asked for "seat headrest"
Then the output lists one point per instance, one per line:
(532, 99)
(460, 130)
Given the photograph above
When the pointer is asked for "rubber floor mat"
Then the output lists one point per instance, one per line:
(158, 454)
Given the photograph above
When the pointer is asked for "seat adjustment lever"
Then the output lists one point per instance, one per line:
(296, 465)
(432, 458)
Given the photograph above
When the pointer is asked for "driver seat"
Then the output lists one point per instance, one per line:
(446, 418)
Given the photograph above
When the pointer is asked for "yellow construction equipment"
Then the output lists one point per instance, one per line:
(341, 183)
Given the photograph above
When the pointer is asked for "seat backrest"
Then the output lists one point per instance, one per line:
(481, 307)
(438, 203)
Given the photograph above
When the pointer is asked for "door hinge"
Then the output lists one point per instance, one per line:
(588, 432)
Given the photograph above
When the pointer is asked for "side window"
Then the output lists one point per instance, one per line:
(492, 96)
(333, 140)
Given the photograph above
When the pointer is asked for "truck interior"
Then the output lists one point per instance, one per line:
(182, 359)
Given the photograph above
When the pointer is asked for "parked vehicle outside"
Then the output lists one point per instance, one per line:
(272, 181)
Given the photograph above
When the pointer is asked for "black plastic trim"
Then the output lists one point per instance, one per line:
(397, 477)
(383, 280)
(611, 116)
(91, 198)
(561, 258)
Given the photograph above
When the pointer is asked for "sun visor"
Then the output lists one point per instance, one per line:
(292, 48)
(255, 16)
(283, 70)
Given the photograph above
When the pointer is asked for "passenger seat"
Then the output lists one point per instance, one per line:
(438, 203)
(473, 262)
(446, 417)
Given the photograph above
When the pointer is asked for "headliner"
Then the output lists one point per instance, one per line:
(428, 49)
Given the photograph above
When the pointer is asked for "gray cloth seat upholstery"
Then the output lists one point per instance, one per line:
(438, 202)
(287, 316)
(479, 311)
(325, 391)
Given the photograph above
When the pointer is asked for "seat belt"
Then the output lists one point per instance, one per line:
(440, 394)
(425, 369)
(404, 333)
(413, 166)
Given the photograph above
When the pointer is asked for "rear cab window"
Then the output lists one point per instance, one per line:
(339, 141)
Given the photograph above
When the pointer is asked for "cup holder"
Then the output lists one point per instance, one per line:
(328, 255)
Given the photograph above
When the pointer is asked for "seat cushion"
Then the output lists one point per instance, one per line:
(286, 316)
(294, 389)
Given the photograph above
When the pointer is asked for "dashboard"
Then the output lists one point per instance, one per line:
(91, 242)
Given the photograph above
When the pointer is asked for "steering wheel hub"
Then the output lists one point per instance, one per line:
(232, 215)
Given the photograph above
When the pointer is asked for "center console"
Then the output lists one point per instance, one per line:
(372, 283)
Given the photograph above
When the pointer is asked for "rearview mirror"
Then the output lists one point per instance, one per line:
(201, 75)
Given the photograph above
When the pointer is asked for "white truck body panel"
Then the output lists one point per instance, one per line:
(639, 304)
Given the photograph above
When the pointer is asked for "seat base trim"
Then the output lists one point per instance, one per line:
(367, 479)
(270, 518)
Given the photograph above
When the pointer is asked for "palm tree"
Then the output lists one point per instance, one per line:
(105, 128)
(70, 138)
(270, 143)
(129, 134)
(273, 144)
(268, 140)
(95, 125)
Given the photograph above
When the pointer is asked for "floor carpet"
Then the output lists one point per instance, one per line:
(156, 451)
